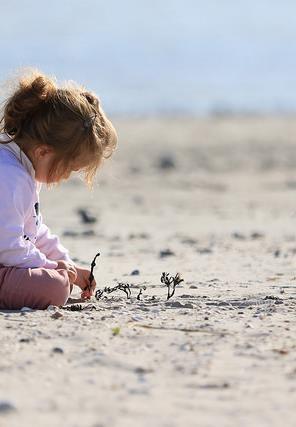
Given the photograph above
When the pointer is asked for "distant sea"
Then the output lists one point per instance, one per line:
(160, 56)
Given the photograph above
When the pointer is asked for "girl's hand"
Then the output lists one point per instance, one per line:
(83, 282)
(71, 270)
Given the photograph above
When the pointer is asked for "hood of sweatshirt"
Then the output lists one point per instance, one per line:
(7, 144)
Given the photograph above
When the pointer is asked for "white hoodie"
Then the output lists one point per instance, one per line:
(24, 240)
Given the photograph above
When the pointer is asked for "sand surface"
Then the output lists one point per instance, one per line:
(213, 199)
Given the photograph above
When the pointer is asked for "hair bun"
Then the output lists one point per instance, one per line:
(92, 99)
(32, 91)
(42, 87)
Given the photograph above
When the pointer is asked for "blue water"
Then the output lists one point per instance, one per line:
(165, 56)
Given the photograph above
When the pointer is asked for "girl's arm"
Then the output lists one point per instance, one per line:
(50, 244)
(16, 199)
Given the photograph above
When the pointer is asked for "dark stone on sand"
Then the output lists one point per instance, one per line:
(70, 233)
(189, 241)
(257, 235)
(166, 252)
(86, 217)
(238, 236)
(204, 251)
(138, 236)
(178, 304)
(135, 273)
(141, 371)
(166, 163)
(6, 407)
(215, 386)
(88, 233)
(58, 350)
(26, 340)
(276, 300)
(277, 253)
(85, 233)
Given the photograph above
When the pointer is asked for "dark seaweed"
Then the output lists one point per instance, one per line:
(78, 307)
(125, 287)
(86, 216)
(92, 266)
(140, 293)
(171, 282)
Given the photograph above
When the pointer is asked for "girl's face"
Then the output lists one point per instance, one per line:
(42, 158)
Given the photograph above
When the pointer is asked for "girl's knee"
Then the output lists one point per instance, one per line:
(59, 290)
(36, 288)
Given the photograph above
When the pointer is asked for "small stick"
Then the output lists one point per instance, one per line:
(91, 276)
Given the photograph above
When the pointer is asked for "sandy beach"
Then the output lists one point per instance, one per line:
(212, 199)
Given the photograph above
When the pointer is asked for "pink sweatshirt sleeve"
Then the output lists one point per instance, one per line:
(50, 244)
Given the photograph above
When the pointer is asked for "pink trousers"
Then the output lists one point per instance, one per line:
(33, 287)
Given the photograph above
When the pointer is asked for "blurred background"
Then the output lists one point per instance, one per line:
(160, 57)
(203, 96)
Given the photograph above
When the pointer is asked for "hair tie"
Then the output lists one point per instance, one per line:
(90, 121)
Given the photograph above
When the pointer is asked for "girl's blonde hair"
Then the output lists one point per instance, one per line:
(70, 119)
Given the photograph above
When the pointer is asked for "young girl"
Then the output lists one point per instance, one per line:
(47, 132)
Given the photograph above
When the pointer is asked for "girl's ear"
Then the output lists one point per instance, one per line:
(42, 151)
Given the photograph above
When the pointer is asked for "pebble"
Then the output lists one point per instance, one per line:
(141, 371)
(249, 325)
(52, 308)
(178, 304)
(166, 252)
(6, 406)
(204, 251)
(257, 235)
(26, 309)
(135, 273)
(137, 318)
(25, 340)
(57, 315)
(186, 347)
(166, 163)
(238, 236)
(58, 350)
(215, 386)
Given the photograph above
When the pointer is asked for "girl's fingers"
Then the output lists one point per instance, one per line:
(72, 276)
(86, 294)
(73, 271)
(93, 285)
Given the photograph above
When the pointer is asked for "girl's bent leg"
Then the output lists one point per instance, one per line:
(33, 287)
